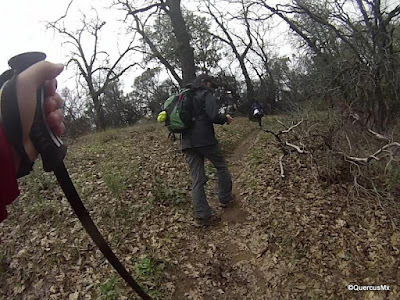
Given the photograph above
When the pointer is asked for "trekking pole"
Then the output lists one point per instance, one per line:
(52, 150)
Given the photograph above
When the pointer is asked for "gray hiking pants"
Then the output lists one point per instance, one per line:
(195, 159)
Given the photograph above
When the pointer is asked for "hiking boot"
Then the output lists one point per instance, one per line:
(212, 220)
(229, 203)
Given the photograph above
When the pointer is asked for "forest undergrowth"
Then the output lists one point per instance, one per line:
(297, 237)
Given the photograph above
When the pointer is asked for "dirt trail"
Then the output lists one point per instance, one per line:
(230, 252)
(236, 214)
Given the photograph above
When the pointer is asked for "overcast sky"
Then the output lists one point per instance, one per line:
(22, 24)
(23, 29)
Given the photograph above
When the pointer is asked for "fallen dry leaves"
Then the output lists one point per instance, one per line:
(285, 239)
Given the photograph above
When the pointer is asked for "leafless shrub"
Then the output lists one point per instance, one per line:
(344, 151)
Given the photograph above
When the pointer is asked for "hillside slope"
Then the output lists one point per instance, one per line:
(283, 239)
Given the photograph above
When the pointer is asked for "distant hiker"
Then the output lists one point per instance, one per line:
(198, 143)
(17, 156)
(257, 111)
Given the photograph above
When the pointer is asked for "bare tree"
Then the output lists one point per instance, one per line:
(229, 38)
(268, 81)
(354, 42)
(172, 8)
(75, 119)
(94, 65)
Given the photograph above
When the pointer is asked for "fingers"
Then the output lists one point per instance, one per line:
(50, 87)
(38, 73)
(52, 107)
(52, 103)
(55, 117)
(27, 84)
(54, 114)
(59, 130)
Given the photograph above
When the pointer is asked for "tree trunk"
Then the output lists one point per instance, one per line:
(183, 38)
(100, 120)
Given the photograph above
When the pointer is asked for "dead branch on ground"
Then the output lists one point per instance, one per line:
(284, 145)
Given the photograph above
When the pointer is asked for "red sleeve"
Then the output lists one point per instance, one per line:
(8, 178)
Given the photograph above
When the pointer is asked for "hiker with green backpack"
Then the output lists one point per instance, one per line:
(193, 113)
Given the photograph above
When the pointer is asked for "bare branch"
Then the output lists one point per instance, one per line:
(348, 142)
(65, 14)
(139, 28)
(230, 42)
(281, 165)
(87, 60)
(292, 127)
(297, 148)
(374, 156)
(395, 12)
(379, 136)
(310, 42)
(140, 10)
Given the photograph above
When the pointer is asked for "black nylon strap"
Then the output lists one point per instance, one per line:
(12, 124)
(51, 153)
(76, 203)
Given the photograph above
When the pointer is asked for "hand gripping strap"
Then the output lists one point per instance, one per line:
(12, 124)
(46, 143)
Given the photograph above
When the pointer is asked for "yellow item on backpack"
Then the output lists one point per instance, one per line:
(162, 116)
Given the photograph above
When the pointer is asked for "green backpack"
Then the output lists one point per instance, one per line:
(177, 111)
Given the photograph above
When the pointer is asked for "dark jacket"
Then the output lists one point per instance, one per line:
(205, 112)
(257, 106)
(8, 177)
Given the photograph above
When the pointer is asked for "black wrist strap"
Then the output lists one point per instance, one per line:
(11, 122)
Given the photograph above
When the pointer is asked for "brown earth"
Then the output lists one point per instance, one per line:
(291, 238)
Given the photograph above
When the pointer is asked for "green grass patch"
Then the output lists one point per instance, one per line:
(256, 157)
(165, 194)
(40, 181)
(150, 272)
(43, 205)
(107, 289)
(113, 179)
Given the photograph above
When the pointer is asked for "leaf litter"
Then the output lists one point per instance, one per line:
(286, 238)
